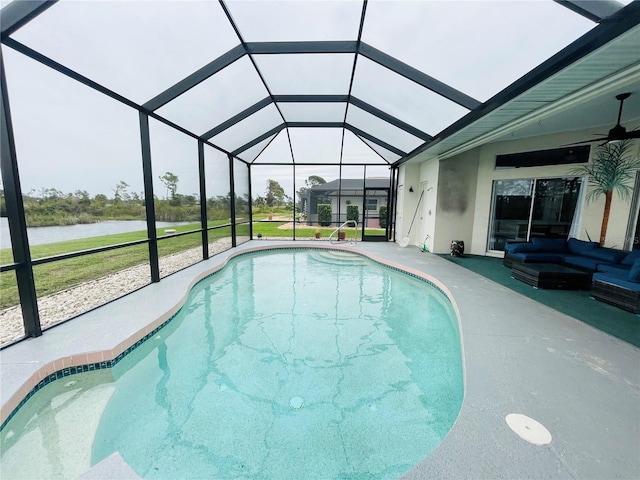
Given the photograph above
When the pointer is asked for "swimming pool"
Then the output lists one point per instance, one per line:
(297, 364)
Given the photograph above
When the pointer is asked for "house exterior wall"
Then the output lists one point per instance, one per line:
(373, 216)
(346, 200)
(591, 220)
(464, 194)
(353, 200)
(408, 176)
(487, 175)
(427, 213)
(456, 193)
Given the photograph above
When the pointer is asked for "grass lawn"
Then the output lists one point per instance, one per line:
(56, 276)
(271, 229)
(59, 275)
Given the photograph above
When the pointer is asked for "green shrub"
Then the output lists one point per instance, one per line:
(382, 211)
(353, 213)
(324, 214)
(85, 218)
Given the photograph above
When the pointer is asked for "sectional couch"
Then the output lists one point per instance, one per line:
(616, 273)
(621, 291)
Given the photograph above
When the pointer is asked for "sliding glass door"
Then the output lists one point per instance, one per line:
(526, 208)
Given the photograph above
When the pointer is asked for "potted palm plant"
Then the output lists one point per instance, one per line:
(613, 169)
(317, 233)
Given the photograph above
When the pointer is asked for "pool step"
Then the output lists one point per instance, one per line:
(334, 257)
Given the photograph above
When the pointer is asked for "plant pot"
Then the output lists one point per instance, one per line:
(342, 235)
(270, 217)
(318, 235)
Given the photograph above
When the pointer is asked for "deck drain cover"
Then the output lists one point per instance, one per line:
(296, 403)
(528, 429)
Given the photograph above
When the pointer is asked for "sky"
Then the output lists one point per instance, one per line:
(70, 137)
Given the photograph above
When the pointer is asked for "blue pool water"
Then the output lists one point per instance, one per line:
(298, 364)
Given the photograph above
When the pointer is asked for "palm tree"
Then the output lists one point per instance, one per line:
(612, 169)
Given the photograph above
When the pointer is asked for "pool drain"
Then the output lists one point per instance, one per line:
(528, 429)
(296, 403)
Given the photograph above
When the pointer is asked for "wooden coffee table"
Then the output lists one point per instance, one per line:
(550, 275)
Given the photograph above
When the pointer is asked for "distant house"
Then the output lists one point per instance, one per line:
(349, 191)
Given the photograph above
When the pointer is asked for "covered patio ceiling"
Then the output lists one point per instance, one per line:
(331, 82)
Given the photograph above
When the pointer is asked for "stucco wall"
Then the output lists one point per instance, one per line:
(408, 176)
(426, 218)
(456, 194)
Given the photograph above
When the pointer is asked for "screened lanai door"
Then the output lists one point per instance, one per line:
(375, 222)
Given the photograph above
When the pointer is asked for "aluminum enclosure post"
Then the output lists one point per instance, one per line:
(203, 201)
(17, 220)
(232, 201)
(147, 172)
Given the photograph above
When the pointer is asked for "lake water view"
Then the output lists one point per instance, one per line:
(42, 235)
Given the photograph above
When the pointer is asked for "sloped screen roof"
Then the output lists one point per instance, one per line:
(304, 82)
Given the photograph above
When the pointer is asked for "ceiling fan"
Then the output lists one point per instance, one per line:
(618, 132)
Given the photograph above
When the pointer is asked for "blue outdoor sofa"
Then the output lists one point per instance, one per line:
(616, 273)
(618, 286)
(587, 256)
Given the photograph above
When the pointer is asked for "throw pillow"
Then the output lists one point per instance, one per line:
(521, 248)
(550, 244)
(580, 247)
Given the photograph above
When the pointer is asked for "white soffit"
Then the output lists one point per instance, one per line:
(613, 64)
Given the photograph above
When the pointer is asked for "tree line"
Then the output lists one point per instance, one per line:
(50, 206)
(275, 195)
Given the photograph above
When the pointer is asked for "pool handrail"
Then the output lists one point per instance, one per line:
(337, 230)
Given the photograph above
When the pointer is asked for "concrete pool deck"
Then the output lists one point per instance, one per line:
(520, 356)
